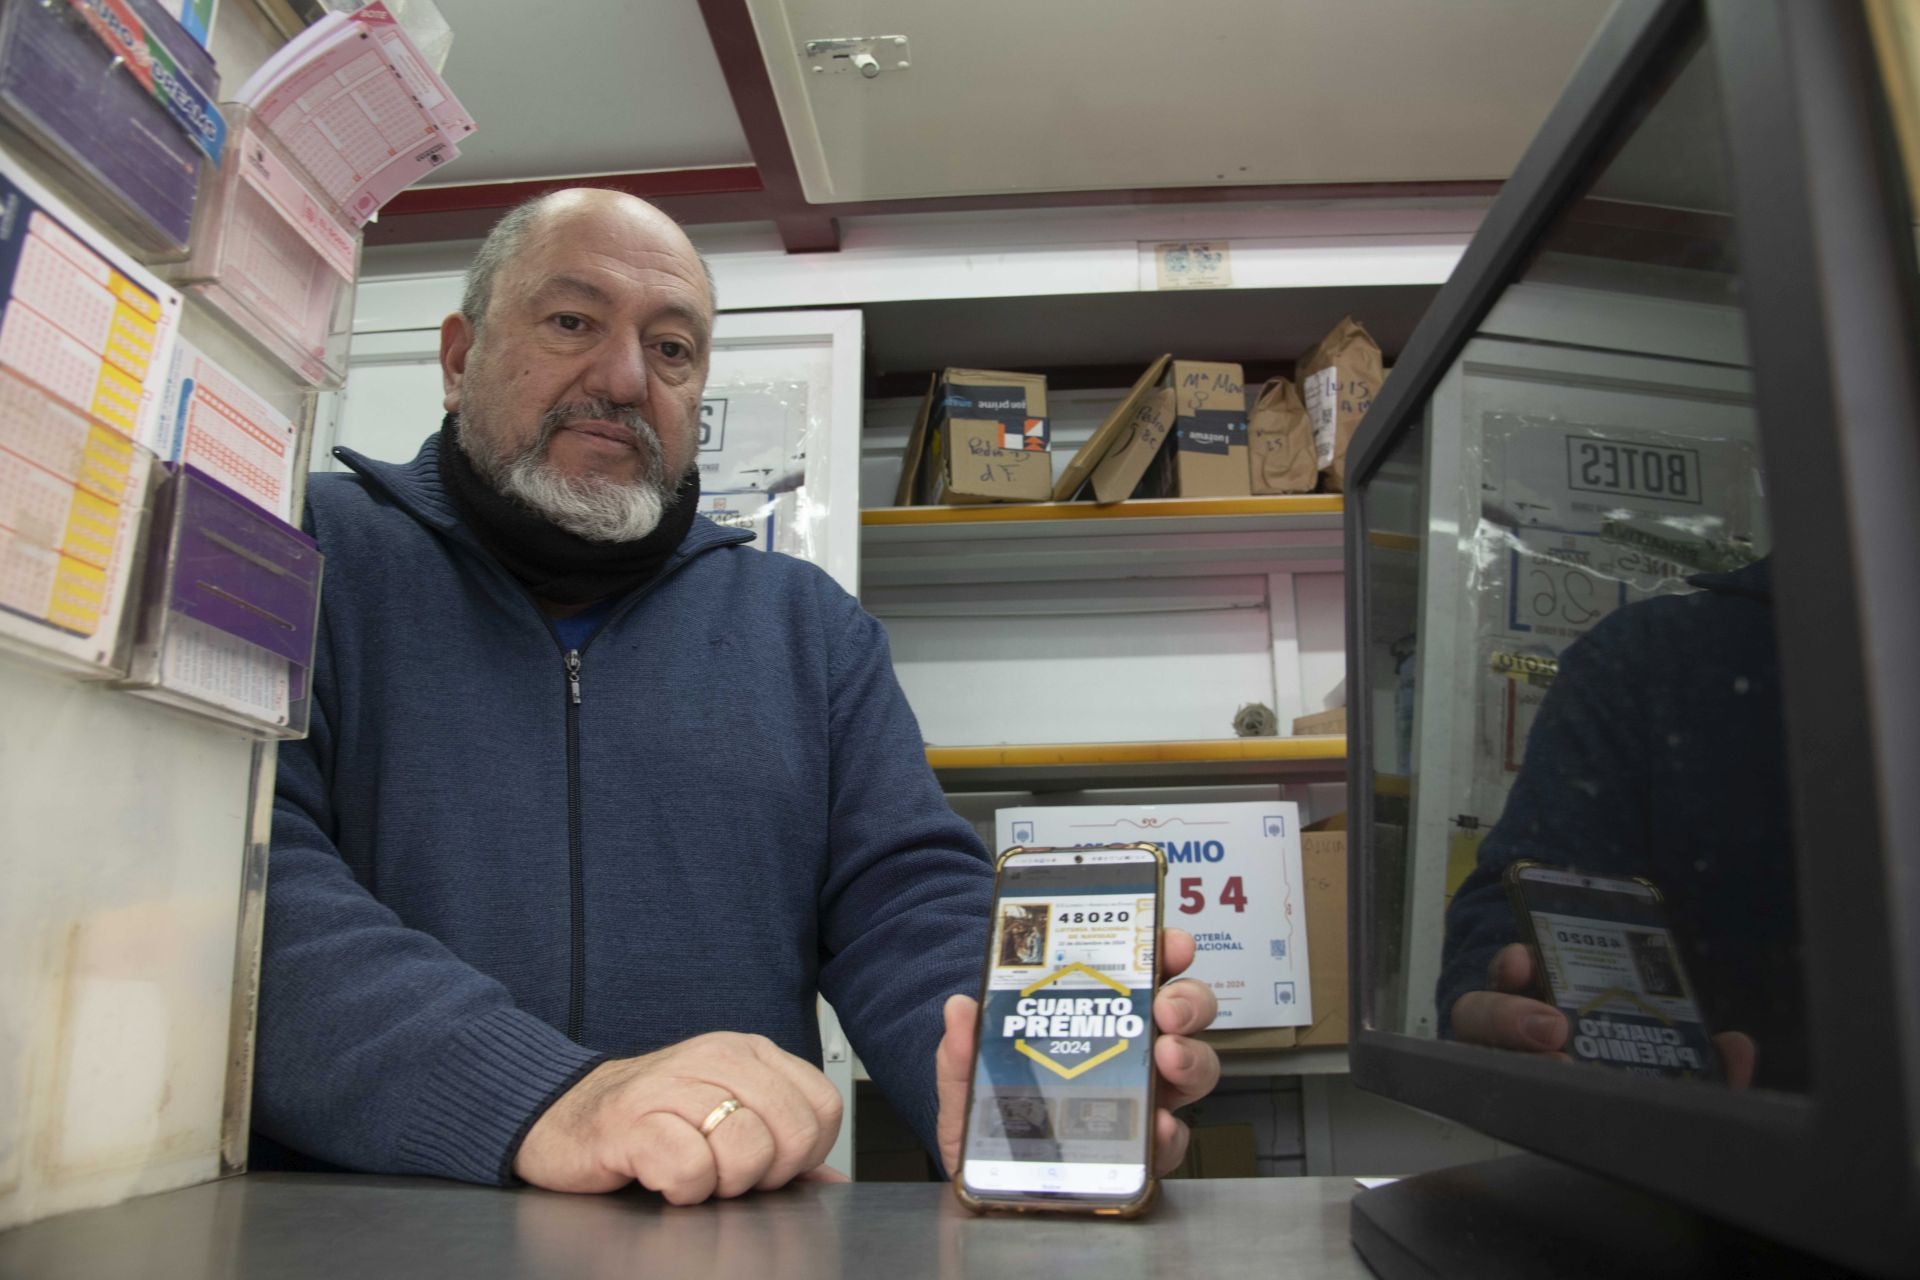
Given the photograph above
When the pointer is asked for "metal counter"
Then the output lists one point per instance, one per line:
(295, 1226)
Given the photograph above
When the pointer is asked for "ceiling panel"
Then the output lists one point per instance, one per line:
(1065, 95)
(587, 86)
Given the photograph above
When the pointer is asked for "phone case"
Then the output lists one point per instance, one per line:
(1142, 1202)
(1523, 914)
(1517, 903)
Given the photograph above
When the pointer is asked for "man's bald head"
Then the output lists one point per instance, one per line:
(526, 222)
(578, 360)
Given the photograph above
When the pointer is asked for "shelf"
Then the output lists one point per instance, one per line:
(1388, 541)
(1153, 537)
(1080, 765)
(1323, 1061)
(1301, 504)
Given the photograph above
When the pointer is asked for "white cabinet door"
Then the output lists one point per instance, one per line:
(780, 424)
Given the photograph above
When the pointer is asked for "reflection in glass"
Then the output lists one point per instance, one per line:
(1580, 790)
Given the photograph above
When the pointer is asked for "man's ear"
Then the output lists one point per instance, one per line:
(456, 341)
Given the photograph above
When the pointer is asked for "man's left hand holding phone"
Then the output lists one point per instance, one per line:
(1058, 1095)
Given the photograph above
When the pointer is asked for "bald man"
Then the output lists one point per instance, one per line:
(596, 800)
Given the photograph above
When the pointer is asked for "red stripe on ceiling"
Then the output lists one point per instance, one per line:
(817, 226)
(804, 228)
(729, 180)
(1277, 192)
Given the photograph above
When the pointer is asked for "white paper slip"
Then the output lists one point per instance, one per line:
(287, 260)
(83, 321)
(218, 424)
(85, 338)
(224, 670)
(355, 103)
(1233, 882)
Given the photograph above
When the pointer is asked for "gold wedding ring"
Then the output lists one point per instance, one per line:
(718, 1114)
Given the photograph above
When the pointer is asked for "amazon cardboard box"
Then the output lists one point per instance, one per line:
(982, 436)
(1206, 450)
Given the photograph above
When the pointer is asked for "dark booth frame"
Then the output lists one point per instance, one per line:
(1828, 270)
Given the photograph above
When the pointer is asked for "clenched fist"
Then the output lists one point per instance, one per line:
(641, 1119)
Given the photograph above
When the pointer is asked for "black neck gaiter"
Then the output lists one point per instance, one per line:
(556, 566)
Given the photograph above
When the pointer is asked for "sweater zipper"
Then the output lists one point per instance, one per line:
(576, 851)
(576, 858)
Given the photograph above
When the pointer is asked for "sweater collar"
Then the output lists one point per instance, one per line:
(416, 488)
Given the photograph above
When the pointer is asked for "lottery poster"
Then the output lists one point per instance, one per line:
(1233, 882)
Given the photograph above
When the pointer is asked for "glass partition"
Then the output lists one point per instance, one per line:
(1581, 810)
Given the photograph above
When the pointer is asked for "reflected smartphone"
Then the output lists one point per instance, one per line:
(1061, 1104)
(1605, 956)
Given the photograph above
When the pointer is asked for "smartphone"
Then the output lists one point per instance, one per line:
(1060, 1108)
(1605, 956)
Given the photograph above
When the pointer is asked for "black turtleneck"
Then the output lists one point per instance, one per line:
(558, 567)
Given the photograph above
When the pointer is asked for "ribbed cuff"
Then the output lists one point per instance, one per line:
(497, 1077)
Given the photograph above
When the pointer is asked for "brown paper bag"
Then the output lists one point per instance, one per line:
(1338, 382)
(1280, 441)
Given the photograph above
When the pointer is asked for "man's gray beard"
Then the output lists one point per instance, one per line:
(586, 506)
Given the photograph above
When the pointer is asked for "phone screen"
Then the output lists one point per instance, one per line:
(1061, 1100)
(1610, 964)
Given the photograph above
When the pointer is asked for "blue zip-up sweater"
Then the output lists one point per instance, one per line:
(1660, 751)
(496, 861)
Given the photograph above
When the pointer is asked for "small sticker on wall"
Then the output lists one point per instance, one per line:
(1191, 264)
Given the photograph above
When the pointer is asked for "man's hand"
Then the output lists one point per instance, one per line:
(1505, 1017)
(639, 1119)
(1189, 1069)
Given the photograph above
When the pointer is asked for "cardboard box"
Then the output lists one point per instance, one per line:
(1339, 379)
(1119, 473)
(1323, 866)
(1323, 862)
(1280, 444)
(1206, 452)
(1321, 722)
(981, 436)
(1221, 1151)
(1119, 430)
